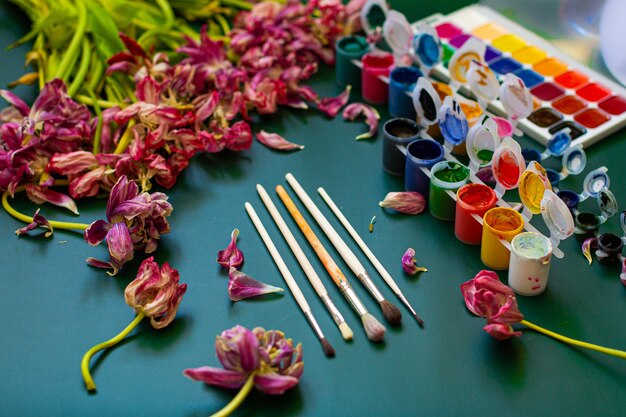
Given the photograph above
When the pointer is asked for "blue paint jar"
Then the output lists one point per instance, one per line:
(401, 81)
(421, 153)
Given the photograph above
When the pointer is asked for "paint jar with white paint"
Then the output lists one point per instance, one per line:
(529, 265)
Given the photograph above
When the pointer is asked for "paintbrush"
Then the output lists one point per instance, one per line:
(291, 282)
(390, 311)
(314, 279)
(379, 267)
(373, 328)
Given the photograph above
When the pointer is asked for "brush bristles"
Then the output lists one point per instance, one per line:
(346, 331)
(373, 328)
(420, 322)
(392, 313)
(328, 349)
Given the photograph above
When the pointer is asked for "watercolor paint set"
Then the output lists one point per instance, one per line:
(566, 93)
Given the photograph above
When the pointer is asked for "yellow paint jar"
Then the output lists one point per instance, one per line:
(499, 223)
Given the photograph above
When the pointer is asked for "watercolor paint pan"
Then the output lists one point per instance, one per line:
(567, 94)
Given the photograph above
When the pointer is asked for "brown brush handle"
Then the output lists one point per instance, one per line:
(330, 265)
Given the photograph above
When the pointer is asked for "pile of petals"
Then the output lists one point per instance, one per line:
(240, 285)
(267, 357)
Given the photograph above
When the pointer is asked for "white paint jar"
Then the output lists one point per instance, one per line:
(529, 265)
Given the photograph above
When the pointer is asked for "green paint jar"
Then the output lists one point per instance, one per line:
(446, 176)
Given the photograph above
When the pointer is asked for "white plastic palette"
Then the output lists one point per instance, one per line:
(566, 93)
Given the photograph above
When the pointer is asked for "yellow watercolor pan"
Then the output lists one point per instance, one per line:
(530, 55)
(508, 43)
(489, 32)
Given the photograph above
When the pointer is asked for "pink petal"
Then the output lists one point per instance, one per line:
(409, 263)
(242, 286)
(38, 221)
(96, 232)
(332, 105)
(231, 256)
(120, 244)
(72, 162)
(501, 331)
(274, 384)
(589, 244)
(275, 141)
(16, 102)
(352, 111)
(622, 276)
(101, 264)
(407, 202)
(39, 195)
(217, 376)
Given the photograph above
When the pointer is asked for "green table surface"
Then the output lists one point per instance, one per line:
(53, 307)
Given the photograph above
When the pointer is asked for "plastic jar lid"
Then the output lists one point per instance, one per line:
(483, 82)
(595, 181)
(575, 160)
(532, 186)
(508, 164)
(472, 50)
(607, 202)
(398, 33)
(557, 217)
(452, 122)
(427, 47)
(515, 97)
(373, 15)
(481, 144)
(426, 101)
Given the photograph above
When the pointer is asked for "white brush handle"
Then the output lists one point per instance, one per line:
(315, 280)
(379, 267)
(291, 282)
(343, 249)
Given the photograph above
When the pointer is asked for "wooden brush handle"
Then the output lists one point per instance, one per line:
(330, 265)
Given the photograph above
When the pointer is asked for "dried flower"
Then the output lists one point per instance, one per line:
(40, 195)
(38, 221)
(407, 202)
(352, 111)
(487, 297)
(409, 263)
(588, 245)
(135, 222)
(331, 106)
(260, 358)
(242, 286)
(231, 256)
(275, 141)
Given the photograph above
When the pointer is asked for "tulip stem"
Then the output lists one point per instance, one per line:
(84, 364)
(236, 402)
(125, 139)
(608, 351)
(29, 219)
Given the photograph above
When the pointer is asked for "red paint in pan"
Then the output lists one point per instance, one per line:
(593, 92)
(569, 105)
(571, 79)
(448, 30)
(547, 91)
(592, 118)
(615, 105)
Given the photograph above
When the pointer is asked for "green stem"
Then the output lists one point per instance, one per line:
(222, 23)
(236, 402)
(65, 67)
(28, 219)
(165, 7)
(90, 101)
(240, 4)
(125, 139)
(85, 60)
(98, 134)
(96, 74)
(574, 342)
(84, 363)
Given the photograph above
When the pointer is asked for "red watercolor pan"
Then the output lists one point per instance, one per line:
(448, 30)
(547, 91)
(615, 105)
(592, 118)
(569, 105)
(571, 79)
(593, 92)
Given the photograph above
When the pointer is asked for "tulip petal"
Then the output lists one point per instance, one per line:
(332, 105)
(409, 264)
(587, 246)
(242, 286)
(96, 232)
(39, 195)
(275, 141)
(231, 256)
(217, 376)
(120, 244)
(16, 102)
(501, 331)
(274, 384)
(38, 221)
(407, 202)
(352, 111)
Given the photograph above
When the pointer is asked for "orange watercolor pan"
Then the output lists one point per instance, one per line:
(489, 32)
(550, 67)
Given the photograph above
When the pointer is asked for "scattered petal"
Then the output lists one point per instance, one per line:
(587, 246)
(275, 141)
(622, 276)
(231, 256)
(409, 263)
(38, 221)
(332, 105)
(242, 286)
(407, 202)
(352, 111)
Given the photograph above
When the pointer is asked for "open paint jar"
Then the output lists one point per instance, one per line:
(398, 131)
(421, 153)
(401, 81)
(375, 65)
(398, 35)
(595, 181)
(587, 223)
(347, 49)
(445, 176)
(529, 265)
(472, 200)
(426, 102)
(482, 141)
(499, 223)
(532, 185)
(609, 248)
(508, 165)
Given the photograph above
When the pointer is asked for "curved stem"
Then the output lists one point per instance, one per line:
(84, 363)
(65, 67)
(90, 102)
(125, 139)
(85, 60)
(98, 134)
(236, 402)
(240, 4)
(29, 219)
(590, 346)
(222, 23)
